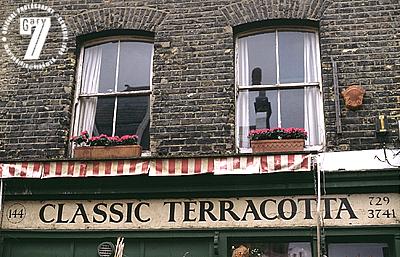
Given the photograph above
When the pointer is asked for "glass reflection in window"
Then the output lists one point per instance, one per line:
(358, 250)
(272, 249)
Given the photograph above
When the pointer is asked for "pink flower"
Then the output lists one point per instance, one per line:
(104, 140)
(278, 133)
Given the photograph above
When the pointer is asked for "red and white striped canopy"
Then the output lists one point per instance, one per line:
(95, 168)
(21, 170)
(158, 167)
(180, 167)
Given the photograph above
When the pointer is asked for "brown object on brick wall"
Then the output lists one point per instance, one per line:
(353, 97)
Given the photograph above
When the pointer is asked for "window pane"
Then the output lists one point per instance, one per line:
(292, 108)
(257, 51)
(133, 117)
(359, 250)
(291, 57)
(135, 66)
(263, 109)
(109, 52)
(274, 249)
(103, 122)
(256, 109)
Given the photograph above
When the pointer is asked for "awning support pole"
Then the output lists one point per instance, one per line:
(1, 201)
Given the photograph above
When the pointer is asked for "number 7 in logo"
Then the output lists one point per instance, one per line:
(42, 26)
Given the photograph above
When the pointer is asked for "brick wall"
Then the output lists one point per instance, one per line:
(363, 37)
(193, 97)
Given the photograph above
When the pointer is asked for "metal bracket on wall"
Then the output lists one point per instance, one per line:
(336, 91)
(216, 243)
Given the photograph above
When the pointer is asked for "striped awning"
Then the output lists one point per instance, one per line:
(263, 164)
(95, 168)
(180, 167)
(158, 167)
(21, 170)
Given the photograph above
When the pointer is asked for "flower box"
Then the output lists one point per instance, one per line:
(106, 147)
(277, 140)
(107, 152)
(277, 145)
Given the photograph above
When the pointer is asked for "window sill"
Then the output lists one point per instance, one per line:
(146, 153)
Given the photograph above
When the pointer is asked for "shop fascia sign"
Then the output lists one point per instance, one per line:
(244, 212)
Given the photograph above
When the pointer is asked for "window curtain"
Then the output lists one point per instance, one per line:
(313, 121)
(90, 85)
(242, 113)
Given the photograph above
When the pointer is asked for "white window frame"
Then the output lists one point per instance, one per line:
(75, 130)
(279, 86)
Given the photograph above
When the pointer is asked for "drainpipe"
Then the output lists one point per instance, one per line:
(317, 188)
(1, 202)
(1, 195)
(1, 217)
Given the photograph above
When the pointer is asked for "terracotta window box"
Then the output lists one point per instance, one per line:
(107, 152)
(278, 145)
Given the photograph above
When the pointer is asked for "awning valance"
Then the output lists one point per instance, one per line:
(158, 167)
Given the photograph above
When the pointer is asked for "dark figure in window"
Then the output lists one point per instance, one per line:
(261, 104)
(128, 88)
(134, 88)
